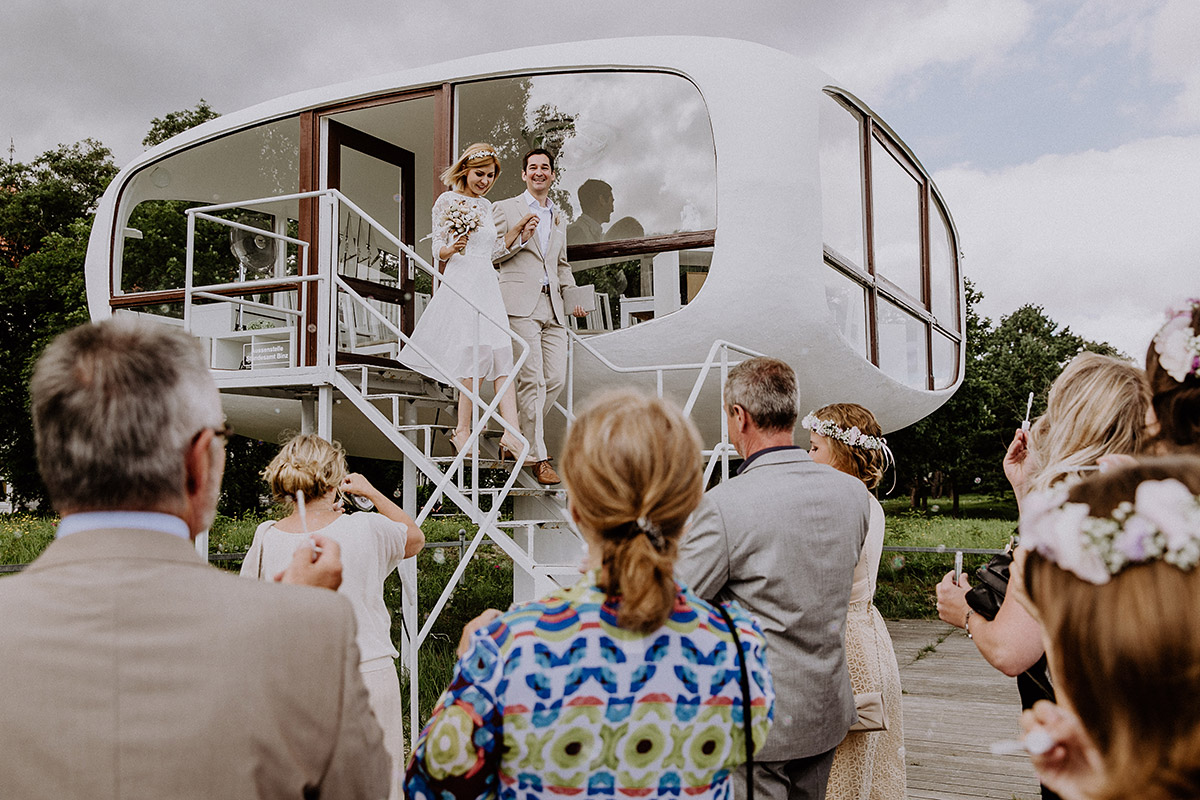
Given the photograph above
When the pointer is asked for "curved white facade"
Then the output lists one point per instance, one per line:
(766, 283)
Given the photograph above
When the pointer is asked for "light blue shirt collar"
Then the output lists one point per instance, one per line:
(138, 520)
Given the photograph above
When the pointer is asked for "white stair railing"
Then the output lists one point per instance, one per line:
(331, 288)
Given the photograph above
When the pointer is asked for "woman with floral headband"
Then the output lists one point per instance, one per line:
(463, 332)
(868, 763)
(1109, 571)
(626, 684)
(1173, 369)
(1096, 408)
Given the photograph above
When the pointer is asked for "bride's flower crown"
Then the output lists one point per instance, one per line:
(478, 154)
(1177, 344)
(848, 436)
(1161, 524)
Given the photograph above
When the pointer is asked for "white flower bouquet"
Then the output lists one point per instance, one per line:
(460, 219)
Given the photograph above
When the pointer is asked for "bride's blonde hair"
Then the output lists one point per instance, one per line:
(477, 155)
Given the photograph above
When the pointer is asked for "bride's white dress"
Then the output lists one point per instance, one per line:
(445, 335)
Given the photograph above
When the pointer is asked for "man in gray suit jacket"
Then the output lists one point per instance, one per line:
(782, 539)
(133, 669)
(533, 272)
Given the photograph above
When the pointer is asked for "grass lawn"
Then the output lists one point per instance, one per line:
(907, 580)
(905, 590)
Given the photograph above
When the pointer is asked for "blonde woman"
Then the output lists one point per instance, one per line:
(625, 684)
(1109, 572)
(464, 329)
(867, 764)
(372, 545)
(1097, 407)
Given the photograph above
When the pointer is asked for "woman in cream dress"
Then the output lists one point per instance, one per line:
(868, 764)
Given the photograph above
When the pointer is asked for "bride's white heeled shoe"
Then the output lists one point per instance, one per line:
(509, 447)
(459, 440)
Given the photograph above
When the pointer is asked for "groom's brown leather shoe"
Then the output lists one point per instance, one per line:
(544, 474)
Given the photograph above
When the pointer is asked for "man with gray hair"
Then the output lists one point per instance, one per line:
(135, 670)
(782, 539)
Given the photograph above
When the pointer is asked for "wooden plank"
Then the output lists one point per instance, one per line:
(955, 706)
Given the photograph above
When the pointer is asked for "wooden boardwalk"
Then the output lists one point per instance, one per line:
(955, 706)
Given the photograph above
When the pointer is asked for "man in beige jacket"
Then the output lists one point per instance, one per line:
(132, 668)
(533, 272)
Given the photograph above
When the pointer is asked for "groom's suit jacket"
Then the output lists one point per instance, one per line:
(782, 539)
(135, 670)
(522, 267)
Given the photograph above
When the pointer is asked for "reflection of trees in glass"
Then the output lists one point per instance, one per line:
(503, 118)
(158, 259)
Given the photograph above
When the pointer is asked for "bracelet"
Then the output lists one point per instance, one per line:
(967, 622)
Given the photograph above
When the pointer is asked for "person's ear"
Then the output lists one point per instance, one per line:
(197, 463)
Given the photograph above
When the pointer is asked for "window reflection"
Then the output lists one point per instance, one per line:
(841, 182)
(635, 160)
(913, 320)
(896, 198)
(902, 346)
(943, 280)
(945, 361)
(846, 300)
(260, 162)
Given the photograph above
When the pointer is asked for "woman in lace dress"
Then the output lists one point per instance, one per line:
(463, 333)
(867, 764)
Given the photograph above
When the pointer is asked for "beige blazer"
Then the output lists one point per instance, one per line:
(135, 670)
(521, 268)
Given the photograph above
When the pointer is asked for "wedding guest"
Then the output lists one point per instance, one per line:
(1097, 406)
(626, 684)
(782, 537)
(463, 333)
(372, 546)
(134, 669)
(868, 763)
(1110, 574)
(1173, 369)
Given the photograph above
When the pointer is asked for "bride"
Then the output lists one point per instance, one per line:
(451, 332)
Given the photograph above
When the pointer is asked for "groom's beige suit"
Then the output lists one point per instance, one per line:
(531, 283)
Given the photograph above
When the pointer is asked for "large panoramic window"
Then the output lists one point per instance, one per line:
(893, 282)
(636, 175)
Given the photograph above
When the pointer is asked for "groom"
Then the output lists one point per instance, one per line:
(533, 273)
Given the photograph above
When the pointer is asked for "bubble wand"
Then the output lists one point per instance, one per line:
(303, 512)
(1028, 408)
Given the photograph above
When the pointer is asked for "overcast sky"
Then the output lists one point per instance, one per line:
(1064, 134)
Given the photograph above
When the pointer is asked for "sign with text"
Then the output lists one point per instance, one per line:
(267, 354)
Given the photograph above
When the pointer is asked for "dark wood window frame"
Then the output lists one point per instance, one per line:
(930, 208)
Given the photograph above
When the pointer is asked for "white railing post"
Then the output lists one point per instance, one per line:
(326, 291)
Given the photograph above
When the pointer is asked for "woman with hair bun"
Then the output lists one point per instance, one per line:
(625, 684)
(467, 345)
(1109, 570)
(309, 475)
(867, 764)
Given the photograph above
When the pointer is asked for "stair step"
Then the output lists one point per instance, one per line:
(540, 523)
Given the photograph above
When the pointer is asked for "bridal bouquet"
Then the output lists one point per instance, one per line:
(459, 219)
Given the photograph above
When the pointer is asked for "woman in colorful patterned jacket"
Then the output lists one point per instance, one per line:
(625, 684)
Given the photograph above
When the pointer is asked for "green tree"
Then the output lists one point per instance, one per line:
(963, 442)
(953, 441)
(49, 194)
(163, 128)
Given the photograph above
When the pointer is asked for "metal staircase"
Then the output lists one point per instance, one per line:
(403, 407)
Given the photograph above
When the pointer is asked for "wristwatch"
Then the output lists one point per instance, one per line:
(967, 622)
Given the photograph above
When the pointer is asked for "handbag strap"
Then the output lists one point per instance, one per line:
(745, 681)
